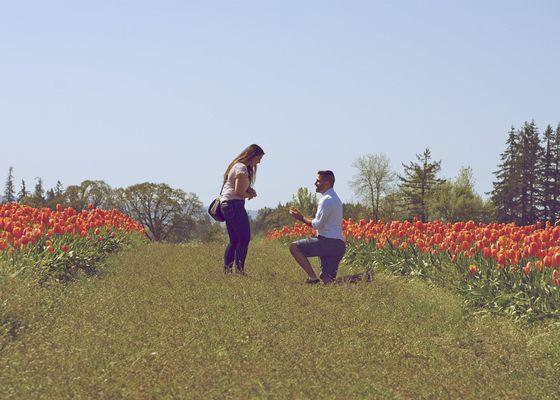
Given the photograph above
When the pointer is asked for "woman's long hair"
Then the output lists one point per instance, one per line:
(245, 156)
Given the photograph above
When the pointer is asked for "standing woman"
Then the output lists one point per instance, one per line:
(238, 181)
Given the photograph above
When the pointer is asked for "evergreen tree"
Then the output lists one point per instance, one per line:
(417, 183)
(23, 193)
(548, 200)
(506, 189)
(58, 189)
(555, 171)
(55, 196)
(9, 191)
(530, 162)
(49, 196)
(38, 197)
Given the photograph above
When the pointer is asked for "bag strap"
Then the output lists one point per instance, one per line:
(222, 189)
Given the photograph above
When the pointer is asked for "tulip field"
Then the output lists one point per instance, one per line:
(497, 267)
(161, 320)
(56, 244)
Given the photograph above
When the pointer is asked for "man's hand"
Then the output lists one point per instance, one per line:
(294, 212)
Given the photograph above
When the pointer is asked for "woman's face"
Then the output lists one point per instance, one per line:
(255, 160)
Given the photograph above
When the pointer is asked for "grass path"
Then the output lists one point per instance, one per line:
(163, 322)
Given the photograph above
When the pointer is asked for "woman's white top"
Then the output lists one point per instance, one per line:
(228, 192)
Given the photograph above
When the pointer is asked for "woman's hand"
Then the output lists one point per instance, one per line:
(251, 192)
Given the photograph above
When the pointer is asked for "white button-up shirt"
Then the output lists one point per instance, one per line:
(328, 220)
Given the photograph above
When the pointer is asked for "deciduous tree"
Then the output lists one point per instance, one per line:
(454, 201)
(305, 201)
(95, 192)
(165, 213)
(373, 179)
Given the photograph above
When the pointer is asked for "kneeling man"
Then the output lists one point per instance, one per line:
(329, 244)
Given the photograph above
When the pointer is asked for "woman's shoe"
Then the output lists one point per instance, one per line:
(228, 269)
(312, 281)
(240, 271)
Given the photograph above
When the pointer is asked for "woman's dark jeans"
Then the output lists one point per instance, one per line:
(239, 231)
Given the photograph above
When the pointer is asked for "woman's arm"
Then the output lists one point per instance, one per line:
(241, 186)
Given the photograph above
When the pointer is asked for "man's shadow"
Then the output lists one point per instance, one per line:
(366, 276)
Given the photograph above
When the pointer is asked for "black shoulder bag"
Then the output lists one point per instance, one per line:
(215, 210)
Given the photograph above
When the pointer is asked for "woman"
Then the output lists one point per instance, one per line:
(238, 181)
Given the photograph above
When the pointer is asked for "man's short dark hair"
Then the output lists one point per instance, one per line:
(328, 174)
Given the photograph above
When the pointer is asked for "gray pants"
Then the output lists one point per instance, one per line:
(329, 250)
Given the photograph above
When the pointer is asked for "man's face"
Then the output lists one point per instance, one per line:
(321, 184)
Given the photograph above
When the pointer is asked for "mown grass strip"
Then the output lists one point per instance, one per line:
(162, 321)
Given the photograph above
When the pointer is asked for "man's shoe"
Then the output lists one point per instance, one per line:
(312, 281)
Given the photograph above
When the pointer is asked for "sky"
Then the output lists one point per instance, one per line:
(171, 91)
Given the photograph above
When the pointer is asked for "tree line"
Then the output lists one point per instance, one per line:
(526, 190)
(527, 186)
(386, 195)
(167, 214)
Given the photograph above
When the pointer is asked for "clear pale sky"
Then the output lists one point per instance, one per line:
(171, 91)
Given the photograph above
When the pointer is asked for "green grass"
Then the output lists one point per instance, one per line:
(162, 321)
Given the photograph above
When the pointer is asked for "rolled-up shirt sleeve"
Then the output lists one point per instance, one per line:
(321, 217)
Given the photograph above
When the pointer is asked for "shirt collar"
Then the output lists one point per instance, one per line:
(330, 191)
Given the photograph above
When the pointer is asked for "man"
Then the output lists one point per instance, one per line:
(329, 244)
